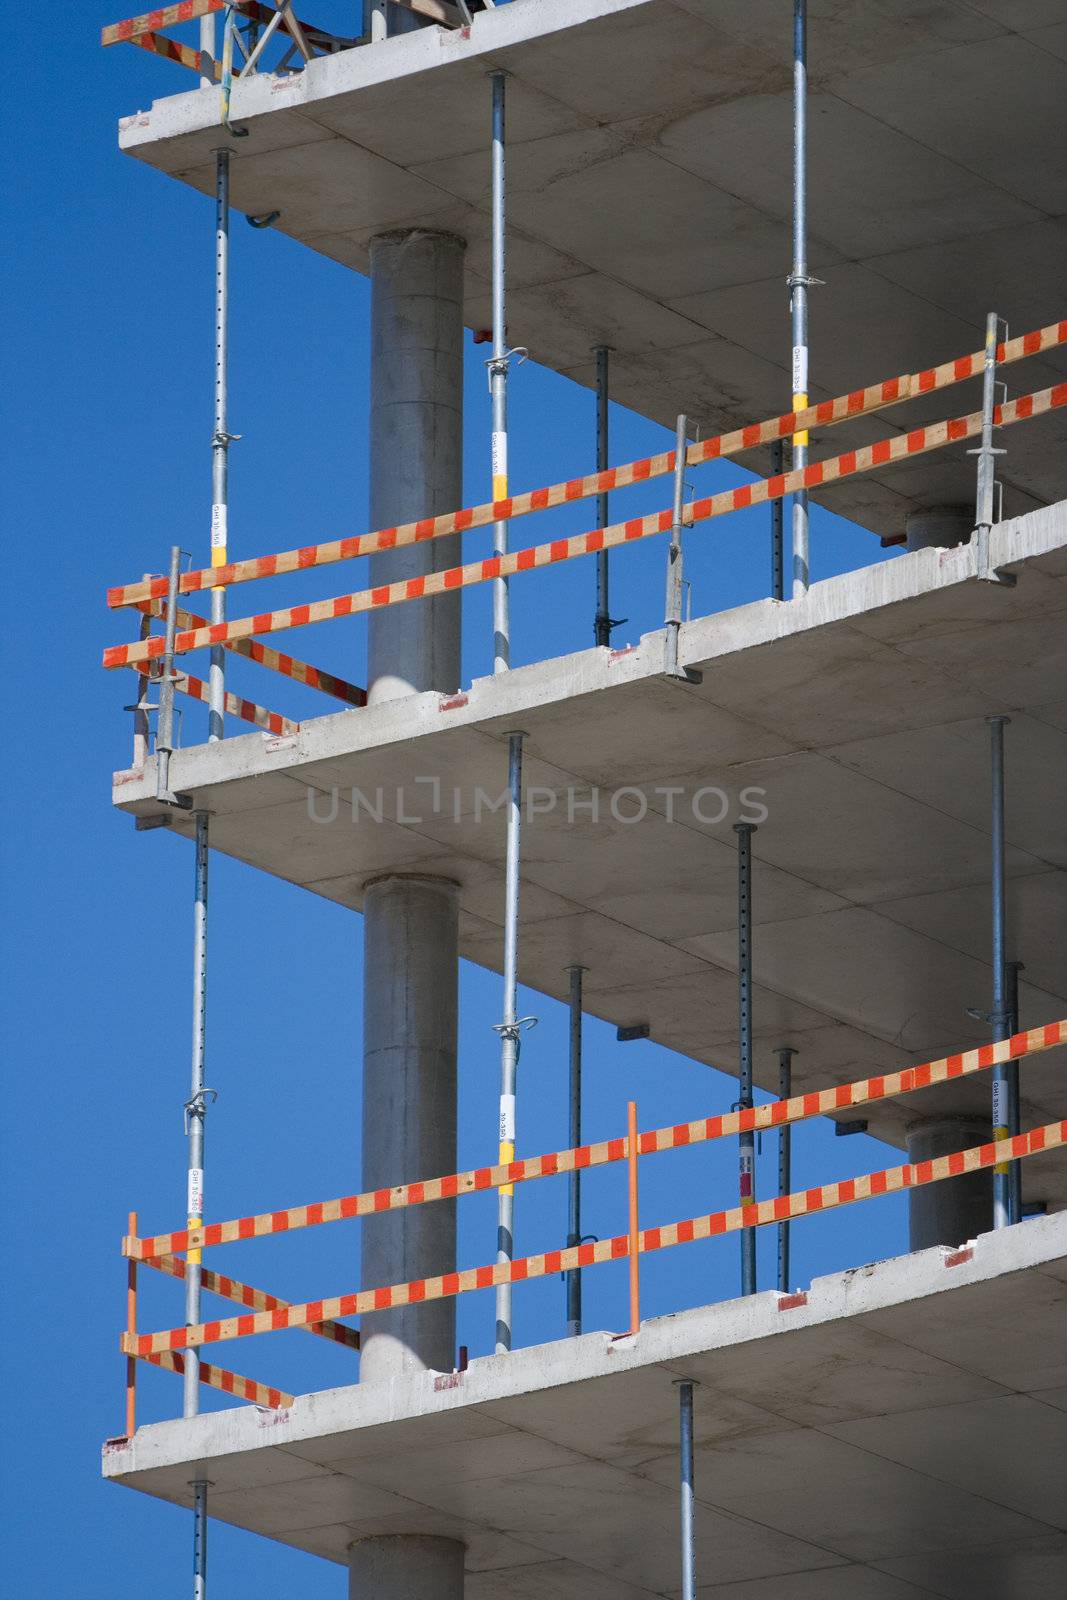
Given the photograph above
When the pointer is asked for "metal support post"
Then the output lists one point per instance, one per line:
(220, 440)
(785, 1054)
(509, 1030)
(685, 1483)
(777, 544)
(1011, 1069)
(199, 1531)
(798, 288)
(998, 1016)
(746, 1140)
(498, 375)
(674, 557)
(195, 1110)
(574, 1139)
(987, 465)
(603, 622)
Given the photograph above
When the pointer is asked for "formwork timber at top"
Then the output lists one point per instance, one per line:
(859, 710)
(649, 195)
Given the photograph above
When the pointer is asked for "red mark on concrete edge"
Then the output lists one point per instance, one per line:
(790, 1302)
(958, 1258)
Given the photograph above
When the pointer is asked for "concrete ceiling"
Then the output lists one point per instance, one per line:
(649, 197)
(902, 1434)
(858, 713)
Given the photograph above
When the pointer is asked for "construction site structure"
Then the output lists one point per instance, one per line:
(783, 237)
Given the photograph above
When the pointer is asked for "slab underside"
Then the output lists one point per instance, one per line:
(649, 197)
(857, 718)
(903, 1433)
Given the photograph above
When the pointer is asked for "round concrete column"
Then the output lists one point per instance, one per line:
(939, 527)
(408, 1566)
(409, 1112)
(416, 444)
(959, 1208)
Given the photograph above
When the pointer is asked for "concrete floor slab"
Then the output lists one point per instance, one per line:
(635, 122)
(855, 717)
(872, 1441)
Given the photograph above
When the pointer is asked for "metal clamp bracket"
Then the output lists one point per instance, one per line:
(197, 1105)
(496, 365)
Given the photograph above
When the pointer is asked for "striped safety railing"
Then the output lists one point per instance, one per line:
(240, 634)
(264, 1313)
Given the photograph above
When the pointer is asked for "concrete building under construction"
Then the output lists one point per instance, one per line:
(600, 184)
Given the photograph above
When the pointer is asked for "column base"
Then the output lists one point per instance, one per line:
(958, 1208)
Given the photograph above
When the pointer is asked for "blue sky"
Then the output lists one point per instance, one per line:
(106, 440)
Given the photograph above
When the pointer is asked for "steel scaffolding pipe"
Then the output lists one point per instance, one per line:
(498, 372)
(220, 439)
(574, 1137)
(799, 283)
(509, 1030)
(747, 1139)
(999, 1019)
(603, 623)
(685, 1484)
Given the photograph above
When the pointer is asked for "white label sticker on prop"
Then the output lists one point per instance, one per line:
(500, 455)
(1000, 1108)
(196, 1192)
(507, 1119)
(218, 527)
(800, 369)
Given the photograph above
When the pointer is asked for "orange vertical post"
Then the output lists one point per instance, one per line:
(635, 1260)
(131, 1328)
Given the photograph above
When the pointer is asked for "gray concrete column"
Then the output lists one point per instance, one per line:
(959, 1208)
(416, 444)
(409, 1112)
(939, 526)
(407, 1566)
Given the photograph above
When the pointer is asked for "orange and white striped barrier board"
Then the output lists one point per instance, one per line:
(827, 1197)
(273, 660)
(799, 1108)
(236, 706)
(886, 451)
(243, 1294)
(825, 414)
(162, 17)
(260, 1394)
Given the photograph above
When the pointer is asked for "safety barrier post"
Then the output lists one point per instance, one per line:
(165, 720)
(634, 1242)
(131, 1329)
(987, 456)
(785, 1054)
(674, 557)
